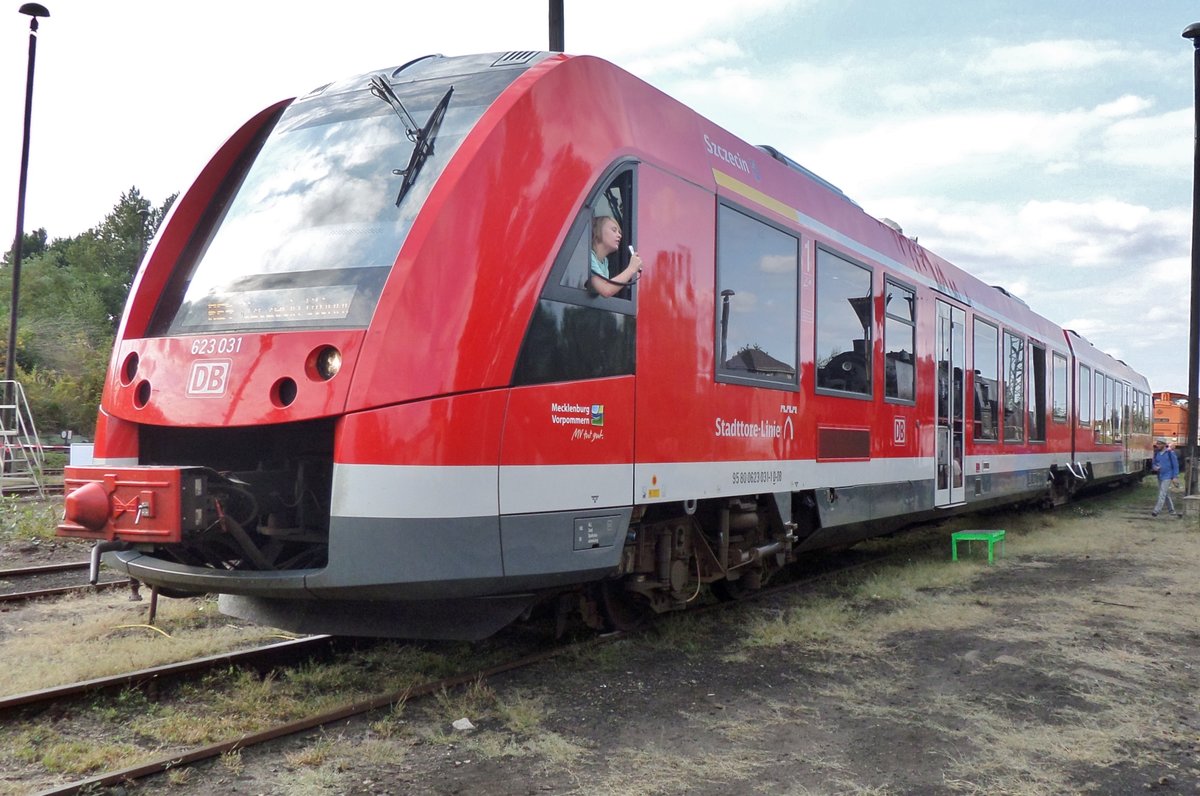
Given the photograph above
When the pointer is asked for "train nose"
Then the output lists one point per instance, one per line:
(88, 506)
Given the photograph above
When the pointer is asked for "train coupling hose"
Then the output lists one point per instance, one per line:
(100, 549)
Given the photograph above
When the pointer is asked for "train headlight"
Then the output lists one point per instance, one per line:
(328, 362)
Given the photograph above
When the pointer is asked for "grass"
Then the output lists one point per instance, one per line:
(1006, 743)
(62, 755)
(663, 768)
(1042, 686)
(23, 519)
(92, 635)
(114, 730)
(233, 702)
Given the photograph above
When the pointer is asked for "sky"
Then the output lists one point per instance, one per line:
(1045, 147)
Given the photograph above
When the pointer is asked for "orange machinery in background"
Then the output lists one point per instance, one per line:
(1171, 418)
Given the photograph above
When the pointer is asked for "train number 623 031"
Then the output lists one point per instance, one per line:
(216, 345)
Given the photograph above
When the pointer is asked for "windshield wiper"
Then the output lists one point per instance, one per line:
(422, 138)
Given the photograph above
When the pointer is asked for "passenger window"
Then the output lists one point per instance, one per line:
(757, 294)
(1037, 392)
(899, 338)
(1058, 409)
(987, 381)
(844, 322)
(1115, 408)
(1014, 388)
(1085, 395)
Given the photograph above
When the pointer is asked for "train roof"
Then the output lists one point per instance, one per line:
(437, 66)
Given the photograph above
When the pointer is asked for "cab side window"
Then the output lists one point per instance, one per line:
(576, 333)
(613, 201)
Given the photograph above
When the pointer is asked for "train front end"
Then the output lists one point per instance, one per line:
(247, 342)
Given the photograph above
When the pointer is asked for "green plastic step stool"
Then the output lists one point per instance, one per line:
(991, 537)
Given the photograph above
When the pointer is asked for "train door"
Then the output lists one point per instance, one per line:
(951, 396)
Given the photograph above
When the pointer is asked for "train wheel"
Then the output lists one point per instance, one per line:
(623, 610)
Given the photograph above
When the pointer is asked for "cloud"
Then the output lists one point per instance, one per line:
(671, 25)
(777, 264)
(1164, 141)
(1113, 270)
(1103, 235)
(1126, 105)
(1051, 55)
(703, 54)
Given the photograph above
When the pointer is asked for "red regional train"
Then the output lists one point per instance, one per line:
(365, 382)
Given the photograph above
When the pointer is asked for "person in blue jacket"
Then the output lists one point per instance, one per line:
(1166, 466)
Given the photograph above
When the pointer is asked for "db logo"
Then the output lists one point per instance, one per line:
(899, 431)
(209, 377)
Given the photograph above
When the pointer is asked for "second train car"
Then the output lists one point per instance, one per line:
(367, 381)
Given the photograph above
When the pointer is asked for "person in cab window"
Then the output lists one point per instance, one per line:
(606, 239)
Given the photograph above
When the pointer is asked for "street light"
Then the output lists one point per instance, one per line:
(33, 10)
(144, 216)
(557, 33)
(1193, 32)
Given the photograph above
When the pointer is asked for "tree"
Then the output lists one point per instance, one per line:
(32, 244)
(73, 291)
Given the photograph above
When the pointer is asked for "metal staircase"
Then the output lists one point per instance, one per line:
(21, 454)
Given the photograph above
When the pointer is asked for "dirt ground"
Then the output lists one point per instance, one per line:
(1068, 666)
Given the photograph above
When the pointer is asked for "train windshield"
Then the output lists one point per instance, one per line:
(311, 232)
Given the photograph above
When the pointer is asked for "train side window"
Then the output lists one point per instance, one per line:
(844, 323)
(1014, 388)
(1085, 395)
(758, 269)
(899, 338)
(1102, 434)
(1116, 408)
(1037, 392)
(1058, 408)
(987, 381)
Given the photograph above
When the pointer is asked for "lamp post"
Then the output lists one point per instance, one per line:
(144, 215)
(1193, 32)
(557, 33)
(33, 10)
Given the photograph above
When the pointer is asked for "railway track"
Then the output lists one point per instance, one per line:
(262, 659)
(22, 584)
(349, 710)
